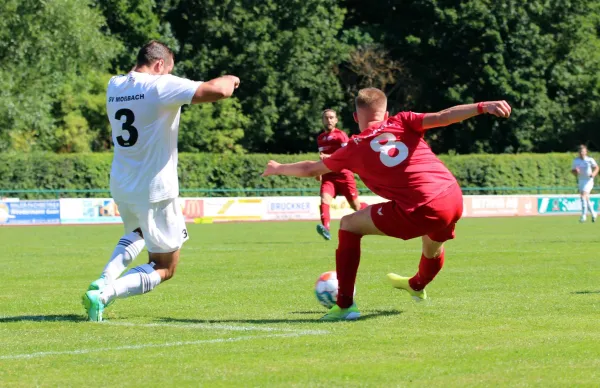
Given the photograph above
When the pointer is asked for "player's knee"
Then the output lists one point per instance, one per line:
(168, 273)
(344, 223)
(347, 223)
(432, 249)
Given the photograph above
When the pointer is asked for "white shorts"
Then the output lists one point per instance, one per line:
(162, 224)
(586, 186)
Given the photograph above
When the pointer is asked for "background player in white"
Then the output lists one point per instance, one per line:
(143, 108)
(585, 169)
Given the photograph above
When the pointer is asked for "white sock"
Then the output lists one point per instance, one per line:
(591, 207)
(583, 208)
(128, 248)
(136, 281)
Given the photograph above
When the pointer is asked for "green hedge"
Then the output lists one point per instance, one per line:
(216, 171)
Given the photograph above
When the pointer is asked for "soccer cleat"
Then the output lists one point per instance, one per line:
(336, 313)
(582, 219)
(401, 283)
(324, 232)
(93, 305)
(99, 285)
(594, 219)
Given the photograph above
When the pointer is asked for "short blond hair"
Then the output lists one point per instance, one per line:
(371, 98)
(329, 110)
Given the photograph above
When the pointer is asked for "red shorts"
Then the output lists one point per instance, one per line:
(340, 184)
(436, 219)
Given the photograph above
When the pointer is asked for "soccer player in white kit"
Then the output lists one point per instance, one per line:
(585, 169)
(143, 108)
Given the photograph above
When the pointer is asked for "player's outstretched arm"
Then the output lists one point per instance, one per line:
(460, 113)
(216, 89)
(305, 169)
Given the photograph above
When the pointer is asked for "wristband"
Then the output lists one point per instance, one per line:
(480, 108)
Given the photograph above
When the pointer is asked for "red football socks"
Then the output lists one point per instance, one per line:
(347, 259)
(325, 216)
(428, 268)
(363, 205)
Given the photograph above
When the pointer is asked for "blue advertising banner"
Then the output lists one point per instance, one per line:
(30, 212)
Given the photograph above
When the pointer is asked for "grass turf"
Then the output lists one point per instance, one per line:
(516, 305)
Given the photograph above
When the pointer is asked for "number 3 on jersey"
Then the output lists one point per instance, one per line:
(391, 152)
(126, 126)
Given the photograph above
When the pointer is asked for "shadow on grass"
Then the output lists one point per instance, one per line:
(269, 242)
(368, 314)
(44, 318)
(586, 292)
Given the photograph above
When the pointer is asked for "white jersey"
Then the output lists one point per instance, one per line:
(585, 166)
(144, 110)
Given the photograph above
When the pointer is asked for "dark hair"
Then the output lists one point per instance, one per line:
(152, 52)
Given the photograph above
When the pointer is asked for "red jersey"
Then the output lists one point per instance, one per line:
(328, 143)
(395, 162)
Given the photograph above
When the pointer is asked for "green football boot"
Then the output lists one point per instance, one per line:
(93, 305)
(324, 232)
(336, 313)
(401, 283)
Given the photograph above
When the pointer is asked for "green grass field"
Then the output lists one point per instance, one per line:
(518, 304)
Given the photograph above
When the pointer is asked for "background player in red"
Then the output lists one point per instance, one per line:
(334, 183)
(394, 161)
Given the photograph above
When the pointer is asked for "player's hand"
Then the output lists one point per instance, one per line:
(497, 108)
(323, 156)
(271, 169)
(318, 178)
(235, 80)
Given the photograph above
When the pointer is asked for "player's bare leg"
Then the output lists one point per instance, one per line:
(323, 228)
(356, 205)
(127, 249)
(432, 261)
(143, 278)
(347, 258)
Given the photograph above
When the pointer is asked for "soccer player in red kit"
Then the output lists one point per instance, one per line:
(394, 161)
(334, 183)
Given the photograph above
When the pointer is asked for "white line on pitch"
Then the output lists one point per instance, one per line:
(145, 346)
(210, 326)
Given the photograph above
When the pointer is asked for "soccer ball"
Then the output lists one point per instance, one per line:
(326, 289)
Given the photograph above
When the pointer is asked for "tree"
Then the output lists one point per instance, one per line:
(542, 56)
(47, 48)
(286, 56)
(216, 128)
(134, 23)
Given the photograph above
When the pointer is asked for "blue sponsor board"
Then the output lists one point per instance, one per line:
(30, 212)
